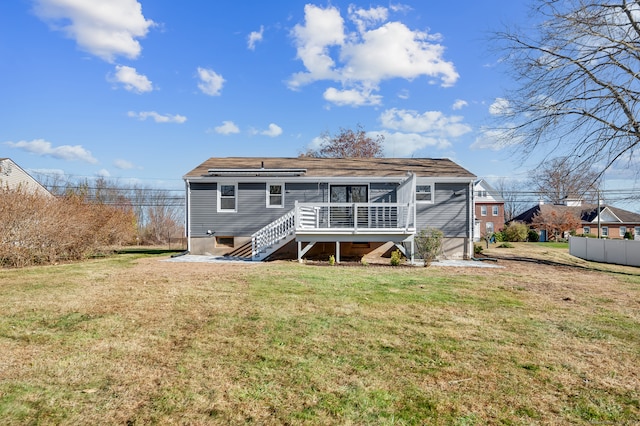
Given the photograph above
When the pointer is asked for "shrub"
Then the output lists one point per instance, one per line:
(478, 249)
(505, 245)
(516, 232)
(533, 236)
(428, 244)
(332, 260)
(628, 236)
(500, 237)
(37, 230)
(396, 258)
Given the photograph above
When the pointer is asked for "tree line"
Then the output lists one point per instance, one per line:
(83, 219)
(158, 213)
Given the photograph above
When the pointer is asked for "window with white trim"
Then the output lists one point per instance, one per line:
(494, 210)
(586, 230)
(605, 231)
(623, 230)
(483, 210)
(227, 197)
(424, 193)
(275, 195)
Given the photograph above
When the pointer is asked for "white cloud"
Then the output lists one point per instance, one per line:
(398, 144)
(496, 139)
(365, 57)
(132, 81)
(158, 118)
(459, 104)
(255, 37)
(227, 128)
(351, 97)
(210, 82)
(432, 122)
(62, 152)
(408, 131)
(399, 7)
(106, 29)
(499, 107)
(323, 28)
(123, 164)
(104, 173)
(273, 131)
(403, 94)
(365, 18)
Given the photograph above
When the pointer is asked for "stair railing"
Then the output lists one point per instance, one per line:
(272, 233)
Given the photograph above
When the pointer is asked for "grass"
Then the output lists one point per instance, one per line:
(132, 340)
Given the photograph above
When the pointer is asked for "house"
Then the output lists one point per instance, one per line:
(13, 176)
(488, 209)
(296, 207)
(612, 221)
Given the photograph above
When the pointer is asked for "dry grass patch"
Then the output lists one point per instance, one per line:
(126, 341)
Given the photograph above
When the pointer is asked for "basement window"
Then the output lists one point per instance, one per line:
(224, 241)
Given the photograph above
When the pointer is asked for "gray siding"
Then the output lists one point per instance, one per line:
(448, 213)
(252, 212)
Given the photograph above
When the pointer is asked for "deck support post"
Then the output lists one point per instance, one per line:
(338, 251)
(413, 251)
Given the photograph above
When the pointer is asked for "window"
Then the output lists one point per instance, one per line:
(224, 241)
(494, 210)
(586, 230)
(227, 198)
(275, 195)
(623, 230)
(636, 231)
(489, 226)
(605, 231)
(423, 193)
(483, 210)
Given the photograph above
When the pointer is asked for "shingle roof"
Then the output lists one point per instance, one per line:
(337, 167)
(586, 212)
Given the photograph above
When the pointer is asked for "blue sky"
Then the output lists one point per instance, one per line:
(144, 91)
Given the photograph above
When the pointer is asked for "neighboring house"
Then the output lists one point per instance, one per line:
(489, 209)
(304, 206)
(613, 222)
(13, 176)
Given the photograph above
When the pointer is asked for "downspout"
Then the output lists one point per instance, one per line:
(187, 217)
(470, 242)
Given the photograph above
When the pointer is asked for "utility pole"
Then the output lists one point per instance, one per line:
(598, 211)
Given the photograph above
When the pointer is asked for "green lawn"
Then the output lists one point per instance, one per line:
(132, 340)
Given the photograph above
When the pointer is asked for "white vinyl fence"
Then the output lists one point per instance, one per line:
(620, 252)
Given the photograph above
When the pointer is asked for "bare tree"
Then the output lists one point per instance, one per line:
(348, 144)
(514, 196)
(578, 86)
(556, 180)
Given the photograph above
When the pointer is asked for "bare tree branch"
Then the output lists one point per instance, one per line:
(578, 76)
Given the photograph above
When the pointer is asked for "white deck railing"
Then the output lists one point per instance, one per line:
(336, 218)
(273, 233)
(355, 217)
